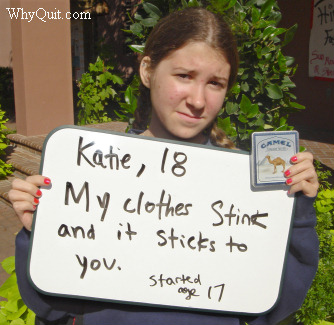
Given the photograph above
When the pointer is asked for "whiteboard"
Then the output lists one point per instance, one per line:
(133, 219)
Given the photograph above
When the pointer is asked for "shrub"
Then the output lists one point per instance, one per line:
(7, 90)
(95, 89)
(13, 311)
(5, 169)
(319, 303)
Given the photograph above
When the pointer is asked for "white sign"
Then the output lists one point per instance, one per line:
(136, 220)
(321, 50)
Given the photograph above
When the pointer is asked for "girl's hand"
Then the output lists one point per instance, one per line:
(25, 195)
(302, 175)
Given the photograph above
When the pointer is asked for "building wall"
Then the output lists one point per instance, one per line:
(5, 35)
(316, 95)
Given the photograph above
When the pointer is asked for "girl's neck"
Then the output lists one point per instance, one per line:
(164, 134)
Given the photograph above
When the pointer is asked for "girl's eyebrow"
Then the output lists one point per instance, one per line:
(189, 70)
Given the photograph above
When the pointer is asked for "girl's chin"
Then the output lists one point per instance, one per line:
(195, 137)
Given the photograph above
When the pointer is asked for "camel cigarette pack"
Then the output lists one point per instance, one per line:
(270, 157)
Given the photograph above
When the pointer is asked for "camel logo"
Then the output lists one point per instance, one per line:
(271, 153)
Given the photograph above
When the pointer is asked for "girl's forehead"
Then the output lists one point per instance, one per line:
(197, 50)
(196, 55)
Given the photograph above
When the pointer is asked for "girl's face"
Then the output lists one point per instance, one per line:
(187, 91)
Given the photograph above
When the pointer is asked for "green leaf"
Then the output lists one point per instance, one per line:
(242, 118)
(282, 128)
(296, 105)
(116, 79)
(7, 288)
(267, 8)
(286, 82)
(244, 86)
(255, 15)
(231, 108)
(328, 194)
(3, 320)
(193, 3)
(137, 48)
(289, 61)
(149, 22)
(290, 33)
(253, 111)
(152, 10)
(245, 104)
(136, 28)
(269, 32)
(30, 317)
(274, 92)
(17, 322)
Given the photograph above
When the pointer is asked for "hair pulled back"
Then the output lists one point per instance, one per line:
(175, 31)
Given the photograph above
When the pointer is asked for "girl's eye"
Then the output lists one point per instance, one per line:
(184, 76)
(217, 84)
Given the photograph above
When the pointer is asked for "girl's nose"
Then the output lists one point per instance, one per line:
(196, 97)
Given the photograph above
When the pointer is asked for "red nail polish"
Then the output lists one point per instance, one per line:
(287, 173)
(47, 181)
(36, 200)
(294, 159)
(39, 193)
(289, 181)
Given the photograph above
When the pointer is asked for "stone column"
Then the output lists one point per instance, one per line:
(41, 44)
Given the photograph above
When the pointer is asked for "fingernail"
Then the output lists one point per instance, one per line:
(294, 159)
(289, 181)
(39, 193)
(287, 173)
(36, 200)
(34, 207)
(47, 181)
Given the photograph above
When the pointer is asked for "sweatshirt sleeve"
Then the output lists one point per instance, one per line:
(301, 263)
(46, 307)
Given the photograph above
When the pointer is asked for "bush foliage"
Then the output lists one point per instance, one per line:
(5, 169)
(95, 90)
(13, 311)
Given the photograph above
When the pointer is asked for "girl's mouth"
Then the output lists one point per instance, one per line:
(189, 116)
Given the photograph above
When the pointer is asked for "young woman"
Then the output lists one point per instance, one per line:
(190, 62)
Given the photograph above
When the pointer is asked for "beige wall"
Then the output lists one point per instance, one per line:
(5, 35)
(42, 67)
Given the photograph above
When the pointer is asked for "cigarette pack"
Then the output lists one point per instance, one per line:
(270, 156)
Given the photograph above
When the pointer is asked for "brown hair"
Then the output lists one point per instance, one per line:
(176, 30)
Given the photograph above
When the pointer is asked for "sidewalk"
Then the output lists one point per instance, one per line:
(321, 144)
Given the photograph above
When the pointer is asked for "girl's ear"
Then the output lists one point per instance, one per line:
(145, 71)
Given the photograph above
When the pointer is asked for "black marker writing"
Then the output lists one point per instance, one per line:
(64, 231)
(235, 219)
(222, 286)
(201, 243)
(241, 247)
(98, 157)
(163, 205)
(76, 199)
(128, 232)
(178, 169)
(81, 149)
(94, 265)
(104, 204)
